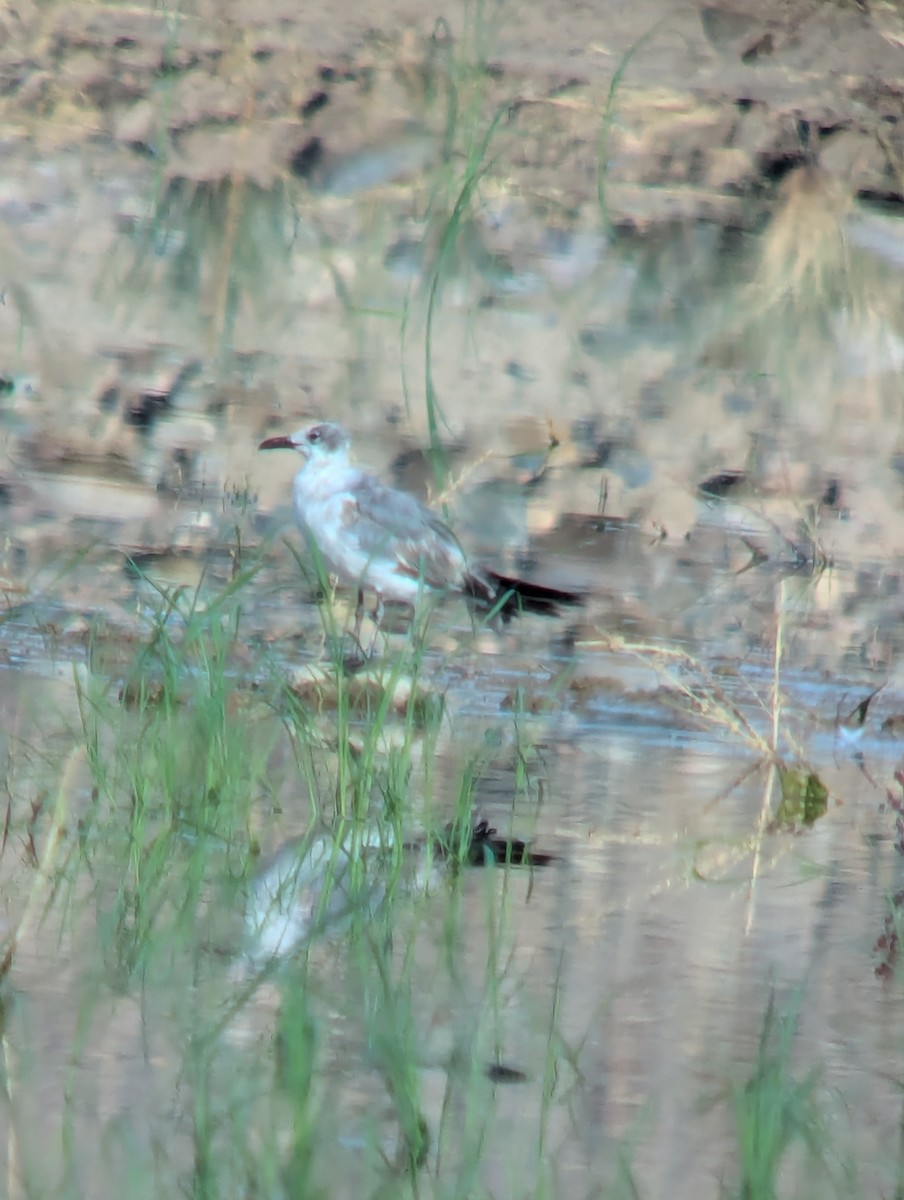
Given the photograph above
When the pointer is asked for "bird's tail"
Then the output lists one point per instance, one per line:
(487, 847)
(478, 844)
(509, 596)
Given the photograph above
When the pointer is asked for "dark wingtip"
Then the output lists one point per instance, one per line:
(480, 845)
(510, 596)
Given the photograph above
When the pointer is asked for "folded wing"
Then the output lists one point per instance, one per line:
(391, 525)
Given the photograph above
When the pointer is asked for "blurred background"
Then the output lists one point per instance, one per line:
(618, 289)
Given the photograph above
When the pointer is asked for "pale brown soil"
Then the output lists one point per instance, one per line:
(710, 100)
(145, 401)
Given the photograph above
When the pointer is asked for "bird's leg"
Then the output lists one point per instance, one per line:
(359, 617)
(356, 658)
(378, 621)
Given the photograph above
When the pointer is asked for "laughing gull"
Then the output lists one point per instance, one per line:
(313, 886)
(373, 536)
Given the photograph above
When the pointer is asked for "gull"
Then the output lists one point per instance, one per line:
(313, 886)
(323, 886)
(370, 535)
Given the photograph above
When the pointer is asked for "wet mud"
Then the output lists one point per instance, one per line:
(617, 289)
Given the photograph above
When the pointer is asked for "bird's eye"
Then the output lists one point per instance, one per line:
(314, 435)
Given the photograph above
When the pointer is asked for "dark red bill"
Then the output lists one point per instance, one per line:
(277, 443)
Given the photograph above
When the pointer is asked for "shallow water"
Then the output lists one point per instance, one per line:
(656, 942)
(588, 382)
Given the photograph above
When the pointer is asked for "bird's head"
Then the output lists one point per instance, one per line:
(320, 441)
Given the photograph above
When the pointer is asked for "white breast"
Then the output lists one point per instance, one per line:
(326, 508)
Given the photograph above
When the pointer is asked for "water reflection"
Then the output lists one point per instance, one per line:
(701, 429)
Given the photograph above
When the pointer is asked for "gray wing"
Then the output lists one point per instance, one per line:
(392, 524)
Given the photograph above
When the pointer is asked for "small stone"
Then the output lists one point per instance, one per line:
(137, 126)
